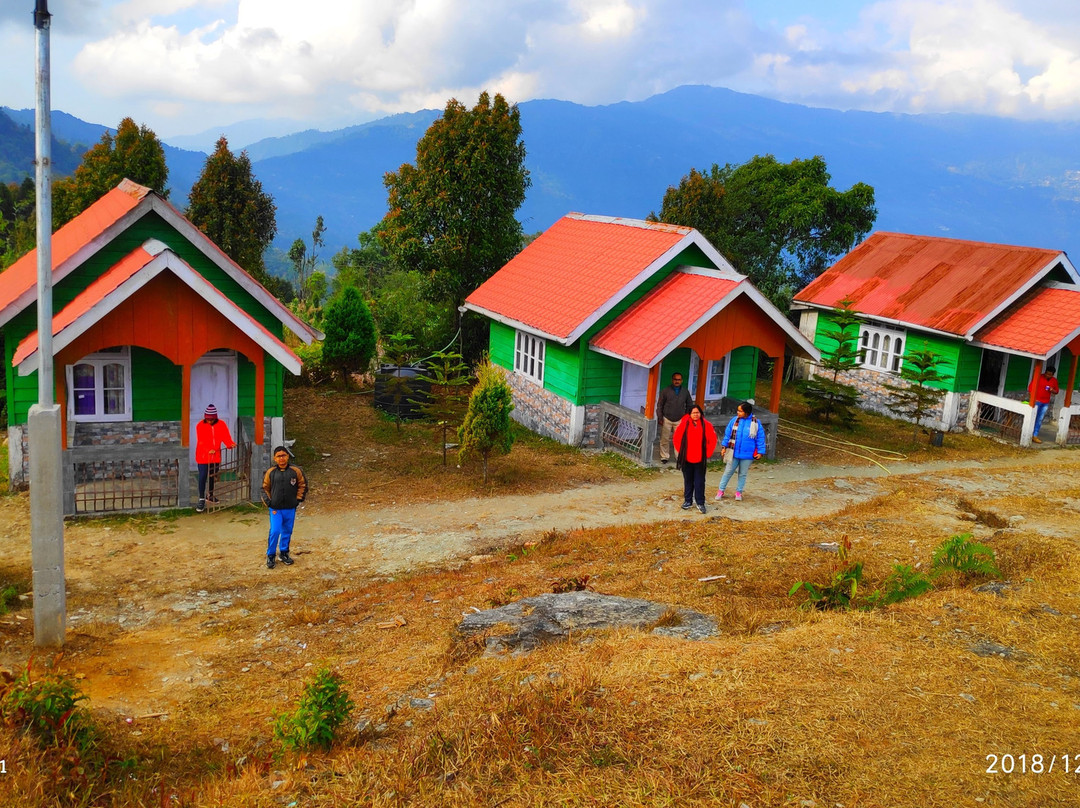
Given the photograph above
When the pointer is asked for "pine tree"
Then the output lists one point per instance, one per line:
(229, 205)
(827, 397)
(915, 400)
(398, 352)
(487, 430)
(448, 375)
(350, 334)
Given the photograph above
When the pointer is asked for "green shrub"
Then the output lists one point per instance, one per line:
(50, 708)
(487, 428)
(902, 583)
(841, 591)
(8, 596)
(964, 556)
(324, 706)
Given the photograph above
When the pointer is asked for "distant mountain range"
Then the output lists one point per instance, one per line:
(963, 176)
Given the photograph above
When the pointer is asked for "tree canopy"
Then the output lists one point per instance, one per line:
(452, 215)
(350, 334)
(781, 224)
(229, 205)
(134, 153)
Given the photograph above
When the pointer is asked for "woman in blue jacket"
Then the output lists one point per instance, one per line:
(745, 439)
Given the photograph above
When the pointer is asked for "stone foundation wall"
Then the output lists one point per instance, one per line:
(590, 438)
(540, 410)
(121, 433)
(18, 457)
(875, 397)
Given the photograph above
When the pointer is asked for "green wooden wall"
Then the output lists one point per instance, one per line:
(742, 372)
(1018, 374)
(156, 387)
(147, 401)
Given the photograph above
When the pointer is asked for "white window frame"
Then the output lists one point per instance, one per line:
(122, 357)
(529, 354)
(881, 348)
(723, 368)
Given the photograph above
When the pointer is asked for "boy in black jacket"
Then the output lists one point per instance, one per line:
(283, 488)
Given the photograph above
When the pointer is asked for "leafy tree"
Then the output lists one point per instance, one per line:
(303, 261)
(399, 305)
(781, 224)
(17, 220)
(350, 334)
(134, 153)
(487, 430)
(452, 215)
(827, 397)
(916, 399)
(229, 205)
(364, 268)
(448, 375)
(317, 284)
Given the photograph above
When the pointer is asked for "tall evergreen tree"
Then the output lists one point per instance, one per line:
(349, 345)
(452, 215)
(229, 205)
(133, 153)
(915, 399)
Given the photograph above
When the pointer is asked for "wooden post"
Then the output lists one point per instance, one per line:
(651, 391)
(777, 382)
(1034, 381)
(185, 406)
(260, 399)
(1072, 381)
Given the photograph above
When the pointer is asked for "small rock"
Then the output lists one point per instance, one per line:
(695, 676)
(422, 704)
(1050, 610)
(967, 697)
(987, 649)
(998, 588)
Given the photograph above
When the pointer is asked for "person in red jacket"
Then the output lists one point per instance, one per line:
(695, 441)
(1046, 387)
(210, 434)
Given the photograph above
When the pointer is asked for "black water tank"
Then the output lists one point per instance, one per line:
(401, 400)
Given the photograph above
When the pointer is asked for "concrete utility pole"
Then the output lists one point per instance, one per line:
(46, 475)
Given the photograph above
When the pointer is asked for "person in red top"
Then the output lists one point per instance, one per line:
(210, 434)
(695, 441)
(1046, 387)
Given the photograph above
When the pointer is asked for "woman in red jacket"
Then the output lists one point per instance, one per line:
(695, 441)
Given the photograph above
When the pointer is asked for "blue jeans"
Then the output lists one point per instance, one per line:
(208, 472)
(281, 528)
(1040, 412)
(743, 467)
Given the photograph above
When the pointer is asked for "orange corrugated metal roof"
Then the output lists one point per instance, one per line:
(648, 328)
(112, 279)
(21, 277)
(573, 269)
(937, 283)
(1039, 324)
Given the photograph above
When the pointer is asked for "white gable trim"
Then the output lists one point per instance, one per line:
(1061, 258)
(167, 260)
(80, 256)
(201, 242)
(691, 238)
(870, 319)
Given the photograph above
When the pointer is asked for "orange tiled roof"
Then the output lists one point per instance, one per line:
(937, 283)
(1039, 324)
(21, 277)
(576, 268)
(662, 319)
(121, 272)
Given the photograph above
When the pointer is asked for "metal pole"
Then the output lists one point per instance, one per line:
(46, 477)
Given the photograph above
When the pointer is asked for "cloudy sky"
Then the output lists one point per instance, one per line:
(185, 66)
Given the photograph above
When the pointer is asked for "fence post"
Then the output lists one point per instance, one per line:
(68, 472)
(648, 438)
(183, 481)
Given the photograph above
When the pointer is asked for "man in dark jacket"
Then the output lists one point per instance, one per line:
(284, 487)
(673, 404)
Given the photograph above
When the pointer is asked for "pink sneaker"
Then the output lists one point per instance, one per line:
(719, 494)
(738, 496)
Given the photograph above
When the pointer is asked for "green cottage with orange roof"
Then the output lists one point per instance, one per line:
(152, 323)
(592, 318)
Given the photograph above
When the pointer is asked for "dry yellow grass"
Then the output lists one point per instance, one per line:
(884, 708)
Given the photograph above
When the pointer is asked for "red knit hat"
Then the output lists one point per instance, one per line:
(211, 412)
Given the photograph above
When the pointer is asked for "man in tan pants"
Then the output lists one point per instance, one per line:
(674, 402)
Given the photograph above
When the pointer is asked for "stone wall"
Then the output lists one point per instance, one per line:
(875, 397)
(590, 438)
(18, 457)
(121, 433)
(540, 410)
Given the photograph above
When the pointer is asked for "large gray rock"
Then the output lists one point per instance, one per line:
(531, 622)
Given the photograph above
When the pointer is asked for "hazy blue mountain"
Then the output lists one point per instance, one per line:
(240, 135)
(18, 149)
(965, 176)
(65, 127)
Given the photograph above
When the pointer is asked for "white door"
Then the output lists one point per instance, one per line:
(213, 381)
(635, 387)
